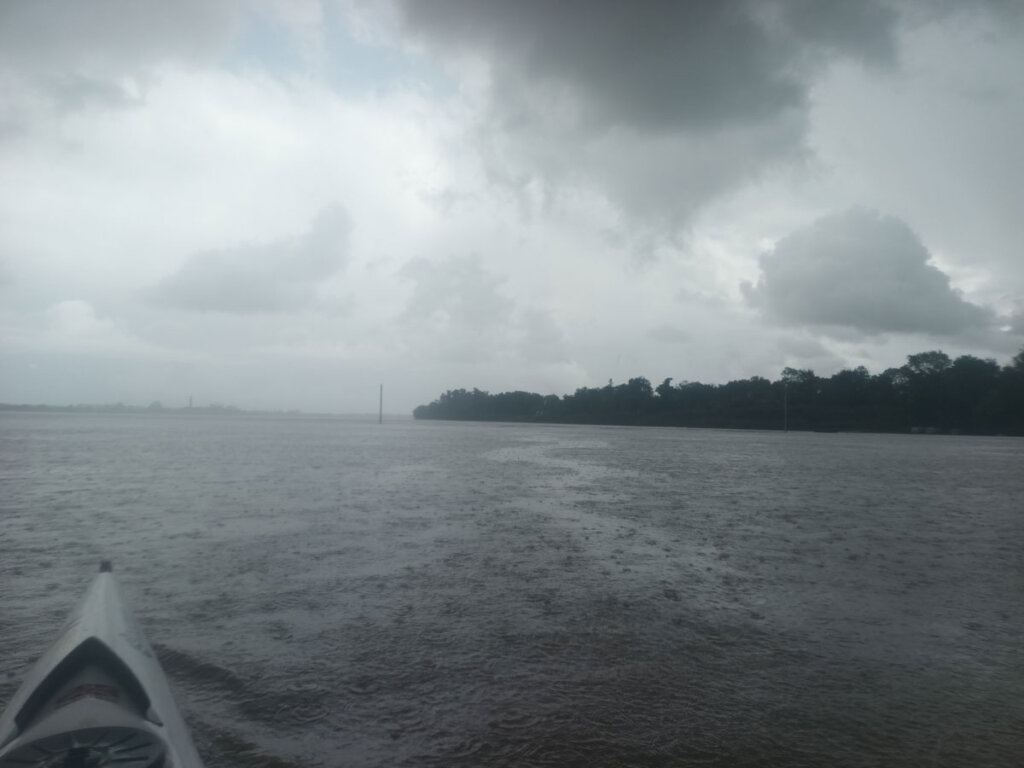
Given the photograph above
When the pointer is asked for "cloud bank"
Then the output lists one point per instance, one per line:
(616, 171)
(275, 277)
(860, 271)
(665, 105)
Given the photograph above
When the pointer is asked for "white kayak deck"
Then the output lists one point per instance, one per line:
(98, 693)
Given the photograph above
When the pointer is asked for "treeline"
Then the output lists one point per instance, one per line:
(931, 393)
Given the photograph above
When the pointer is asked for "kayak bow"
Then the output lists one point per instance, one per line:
(97, 697)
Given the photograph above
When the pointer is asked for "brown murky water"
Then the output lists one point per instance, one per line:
(338, 593)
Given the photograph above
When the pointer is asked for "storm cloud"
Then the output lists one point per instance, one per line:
(665, 105)
(862, 271)
(655, 66)
(275, 277)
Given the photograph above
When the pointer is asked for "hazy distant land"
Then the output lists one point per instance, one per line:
(154, 407)
(213, 409)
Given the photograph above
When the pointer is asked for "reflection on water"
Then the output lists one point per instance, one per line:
(335, 592)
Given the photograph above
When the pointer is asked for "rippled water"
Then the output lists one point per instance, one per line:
(335, 592)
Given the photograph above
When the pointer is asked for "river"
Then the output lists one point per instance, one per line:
(334, 592)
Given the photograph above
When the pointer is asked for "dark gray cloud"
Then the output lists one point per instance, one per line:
(864, 272)
(275, 277)
(861, 31)
(656, 66)
(664, 105)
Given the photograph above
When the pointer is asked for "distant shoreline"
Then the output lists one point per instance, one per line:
(121, 408)
(206, 410)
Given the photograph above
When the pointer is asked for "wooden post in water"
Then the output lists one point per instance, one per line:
(380, 412)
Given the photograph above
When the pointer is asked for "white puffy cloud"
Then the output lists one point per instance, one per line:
(860, 271)
(936, 143)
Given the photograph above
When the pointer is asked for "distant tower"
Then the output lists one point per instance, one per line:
(190, 402)
(380, 412)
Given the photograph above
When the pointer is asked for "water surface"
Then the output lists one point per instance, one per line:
(329, 592)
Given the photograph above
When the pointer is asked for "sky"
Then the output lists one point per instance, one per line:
(285, 204)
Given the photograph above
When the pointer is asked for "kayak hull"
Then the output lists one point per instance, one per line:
(96, 697)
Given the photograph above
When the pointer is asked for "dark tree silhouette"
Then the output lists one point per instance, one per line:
(930, 393)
